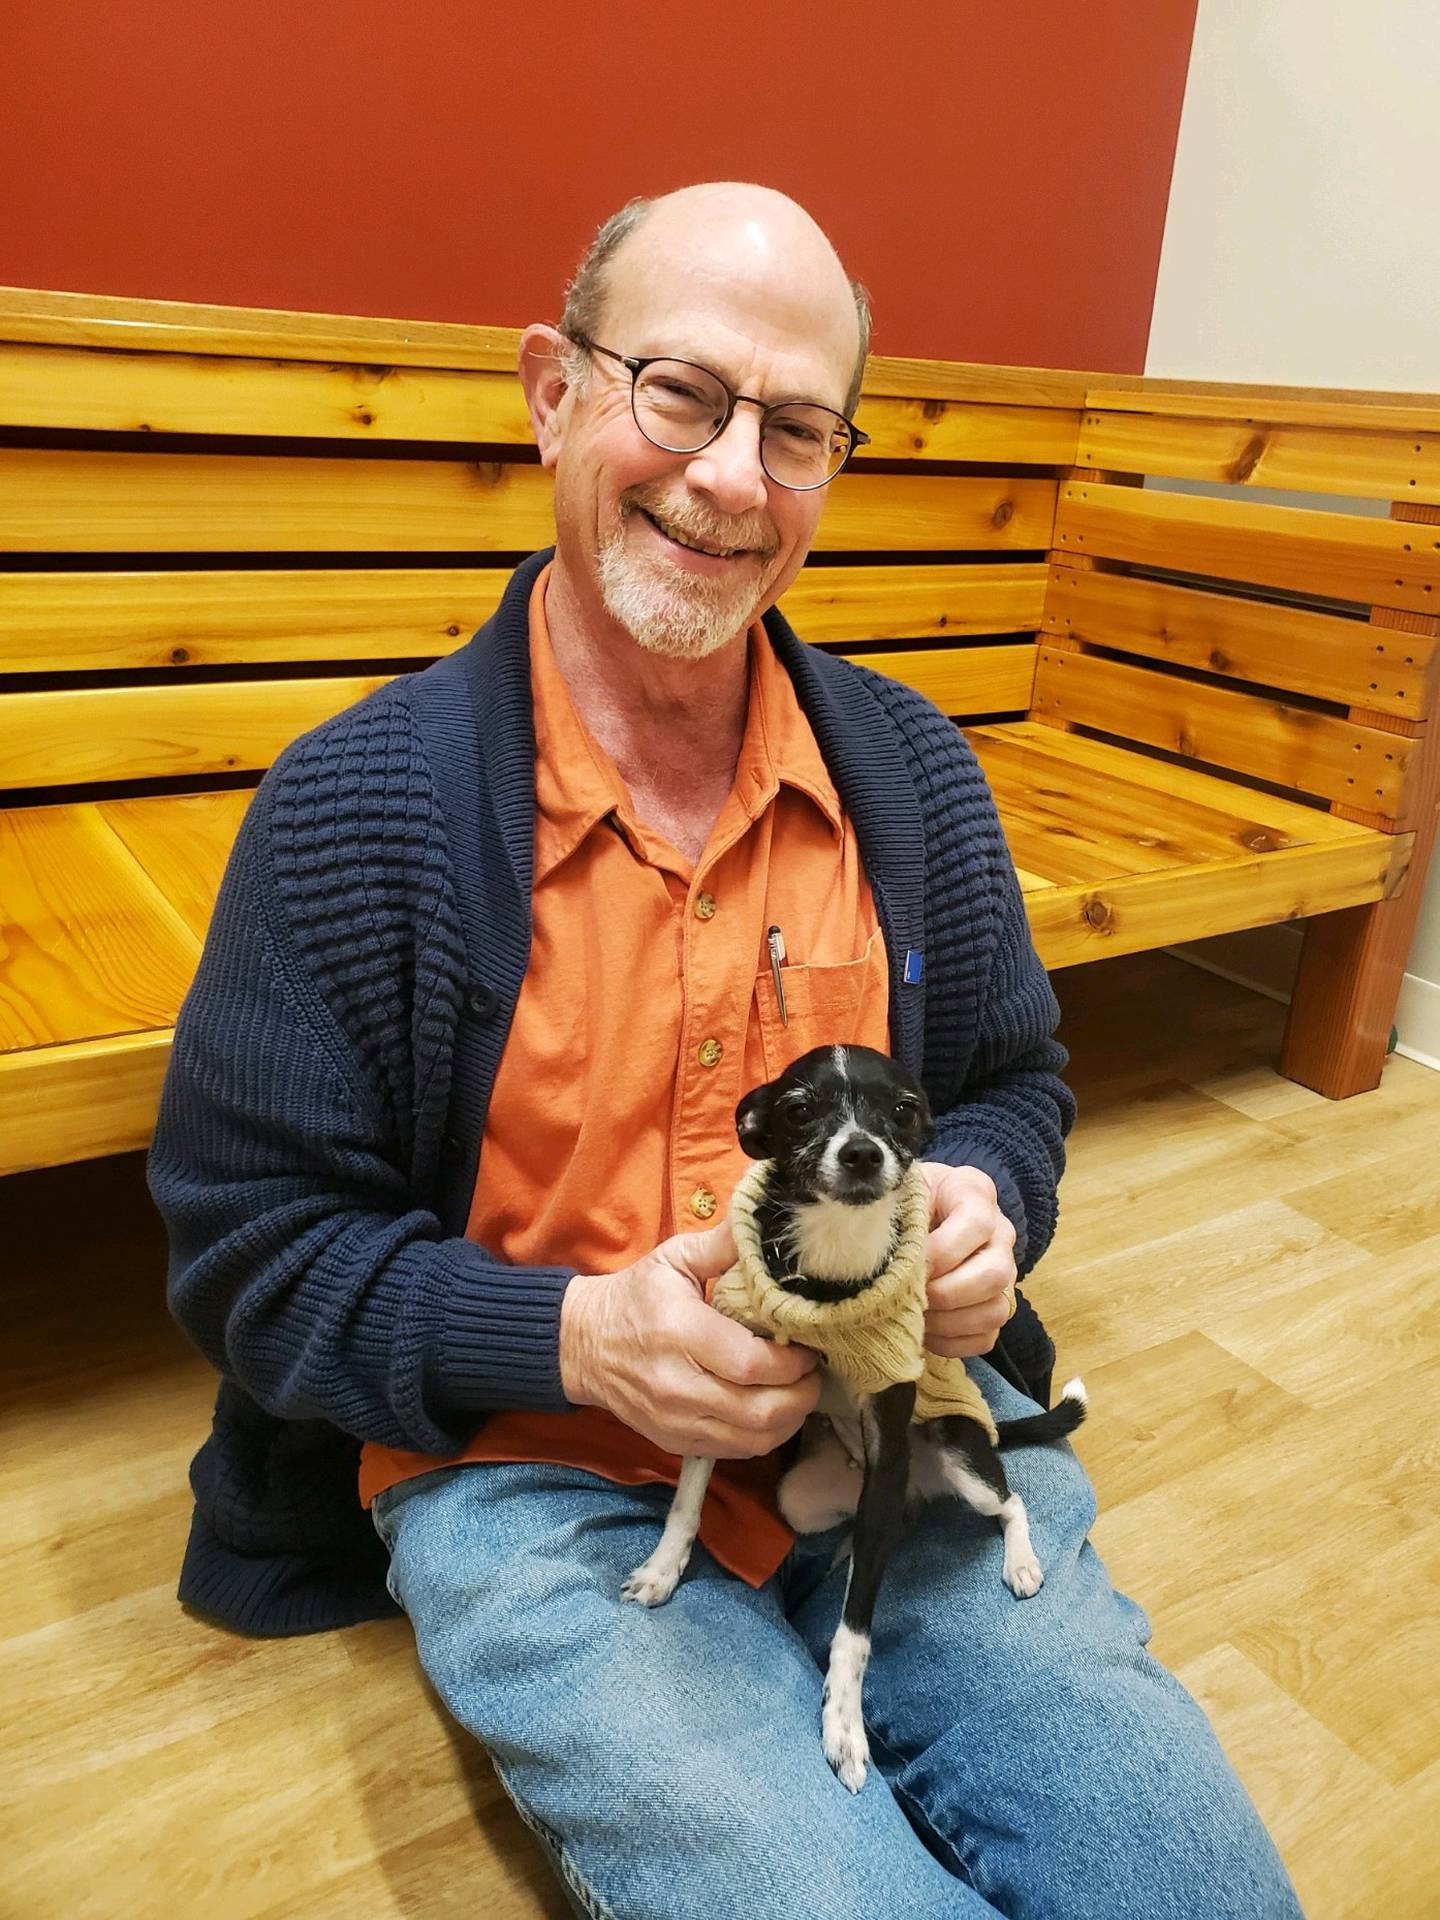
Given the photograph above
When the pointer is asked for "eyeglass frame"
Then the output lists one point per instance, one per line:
(636, 366)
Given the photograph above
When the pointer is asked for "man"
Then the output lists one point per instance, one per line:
(524, 899)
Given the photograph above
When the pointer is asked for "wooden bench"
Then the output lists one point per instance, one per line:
(219, 526)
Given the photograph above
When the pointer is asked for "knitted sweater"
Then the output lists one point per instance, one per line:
(873, 1339)
(324, 1106)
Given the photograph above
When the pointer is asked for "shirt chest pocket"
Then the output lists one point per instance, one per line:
(833, 1004)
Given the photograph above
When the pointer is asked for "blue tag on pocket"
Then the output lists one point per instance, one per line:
(914, 966)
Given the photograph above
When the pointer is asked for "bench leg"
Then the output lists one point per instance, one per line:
(1343, 1004)
(1353, 962)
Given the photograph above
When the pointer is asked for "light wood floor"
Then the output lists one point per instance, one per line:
(1246, 1276)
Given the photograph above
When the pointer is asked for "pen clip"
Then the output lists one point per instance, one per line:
(776, 941)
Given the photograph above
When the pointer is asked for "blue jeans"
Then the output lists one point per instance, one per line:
(1028, 1757)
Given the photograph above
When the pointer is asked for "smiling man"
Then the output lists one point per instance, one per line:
(448, 1138)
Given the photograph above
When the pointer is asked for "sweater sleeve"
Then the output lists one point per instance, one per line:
(992, 1062)
(298, 1263)
(1014, 1110)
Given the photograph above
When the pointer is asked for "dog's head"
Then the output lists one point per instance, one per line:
(840, 1123)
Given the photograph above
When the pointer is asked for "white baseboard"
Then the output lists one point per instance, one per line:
(1265, 959)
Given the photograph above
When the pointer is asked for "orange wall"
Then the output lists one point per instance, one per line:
(997, 174)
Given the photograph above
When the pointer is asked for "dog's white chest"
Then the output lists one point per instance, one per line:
(834, 1242)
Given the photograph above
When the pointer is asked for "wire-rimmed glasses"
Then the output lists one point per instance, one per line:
(681, 407)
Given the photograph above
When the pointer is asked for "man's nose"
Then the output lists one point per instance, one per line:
(728, 471)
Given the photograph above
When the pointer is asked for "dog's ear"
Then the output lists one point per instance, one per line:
(752, 1121)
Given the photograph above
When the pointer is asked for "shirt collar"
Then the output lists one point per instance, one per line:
(577, 784)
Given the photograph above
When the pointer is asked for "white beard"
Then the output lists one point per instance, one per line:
(684, 616)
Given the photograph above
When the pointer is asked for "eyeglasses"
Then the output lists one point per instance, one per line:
(681, 407)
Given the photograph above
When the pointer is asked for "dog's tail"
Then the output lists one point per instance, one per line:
(1040, 1427)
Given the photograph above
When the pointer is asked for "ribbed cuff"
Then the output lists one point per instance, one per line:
(500, 1343)
(962, 1153)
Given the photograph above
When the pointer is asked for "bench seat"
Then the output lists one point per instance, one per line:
(1116, 852)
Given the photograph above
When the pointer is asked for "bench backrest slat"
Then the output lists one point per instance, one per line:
(1322, 655)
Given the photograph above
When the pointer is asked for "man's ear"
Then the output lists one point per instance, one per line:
(752, 1121)
(542, 375)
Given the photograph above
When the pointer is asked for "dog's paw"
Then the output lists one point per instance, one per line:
(1023, 1576)
(650, 1586)
(846, 1748)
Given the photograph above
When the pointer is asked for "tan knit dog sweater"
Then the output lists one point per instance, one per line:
(872, 1339)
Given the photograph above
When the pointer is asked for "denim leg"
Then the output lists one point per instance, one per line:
(669, 1760)
(1047, 1755)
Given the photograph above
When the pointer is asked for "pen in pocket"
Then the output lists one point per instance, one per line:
(776, 942)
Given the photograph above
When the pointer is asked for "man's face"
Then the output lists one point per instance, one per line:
(759, 325)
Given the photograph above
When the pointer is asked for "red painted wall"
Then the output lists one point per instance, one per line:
(996, 174)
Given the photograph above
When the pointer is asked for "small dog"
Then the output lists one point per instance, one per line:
(840, 1129)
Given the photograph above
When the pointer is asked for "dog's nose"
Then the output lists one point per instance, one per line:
(860, 1156)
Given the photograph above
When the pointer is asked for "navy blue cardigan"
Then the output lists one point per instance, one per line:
(322, 1115)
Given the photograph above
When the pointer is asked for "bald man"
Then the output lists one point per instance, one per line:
(447, 1141)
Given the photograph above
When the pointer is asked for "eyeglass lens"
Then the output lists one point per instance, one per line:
(680, 408)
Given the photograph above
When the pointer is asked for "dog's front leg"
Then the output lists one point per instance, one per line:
(653, 1583)
(878, 1522)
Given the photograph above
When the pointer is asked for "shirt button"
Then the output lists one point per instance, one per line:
(710, 1052)
(705, 906)
(702, 1203)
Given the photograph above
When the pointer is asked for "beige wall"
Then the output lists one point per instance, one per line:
(1302, 243)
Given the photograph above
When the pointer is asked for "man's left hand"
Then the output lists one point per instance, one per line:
(970, 1259)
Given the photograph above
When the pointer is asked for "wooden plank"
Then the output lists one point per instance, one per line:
(1276, 406)
(77, 1101)
(915, 602)
(76, 387)
(1074, 925)
(1368, 464)
(1323, 655)
(1292, 746)
(108, 320)
(1055, 757)
(181, 842)
(935, 429)
(90, 944)
(97, 621)
(1073, 823)
(53, 501)
(1344, 557)
(875, 513)
(151, 392)
(130, 733)
(962, 680)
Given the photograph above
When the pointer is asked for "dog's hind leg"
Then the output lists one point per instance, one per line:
(653, 1583)
(971, 1467)
(878, 1523)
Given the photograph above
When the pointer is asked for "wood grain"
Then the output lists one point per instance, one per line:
(1341, 556)
(1260, 453)
(61, 500)
(1321, 655)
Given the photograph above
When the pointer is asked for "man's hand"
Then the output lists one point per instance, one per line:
(970, 1259)
(643, 1344)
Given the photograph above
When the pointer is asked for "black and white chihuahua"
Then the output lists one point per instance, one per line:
(841, 1127)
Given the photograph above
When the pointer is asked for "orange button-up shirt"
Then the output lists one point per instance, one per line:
(647, 1012)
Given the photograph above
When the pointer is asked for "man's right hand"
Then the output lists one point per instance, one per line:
(643, 1344)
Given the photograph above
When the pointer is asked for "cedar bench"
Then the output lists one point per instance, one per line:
(219, 526)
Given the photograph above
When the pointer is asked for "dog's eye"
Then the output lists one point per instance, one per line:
(800, 1110)
(906, 1108)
